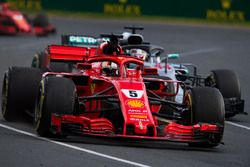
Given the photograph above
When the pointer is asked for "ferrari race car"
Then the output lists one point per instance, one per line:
(223, 79)
(109, 97)
(13, 22)
(159, 66)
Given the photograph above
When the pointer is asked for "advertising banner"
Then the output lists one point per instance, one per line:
(226, 10)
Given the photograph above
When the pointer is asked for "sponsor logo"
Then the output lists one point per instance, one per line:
(122, 7)
(226, 12)
(134, 111)
(83, 40)
(34, 5)
(139, 116)
(139, 119)
(135, 103)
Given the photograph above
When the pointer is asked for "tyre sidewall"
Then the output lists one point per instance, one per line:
(52, 99)
(227, 82)
(207, 107)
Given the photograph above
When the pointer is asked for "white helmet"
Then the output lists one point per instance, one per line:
(139, 53)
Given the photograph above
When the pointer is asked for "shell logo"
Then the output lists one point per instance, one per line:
(135, 103)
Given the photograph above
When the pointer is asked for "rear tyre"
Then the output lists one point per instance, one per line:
(19, 91)
(27, 18)
(41, 20)
(227, 82)
(57, 95)
(207, 106)
(40, 60)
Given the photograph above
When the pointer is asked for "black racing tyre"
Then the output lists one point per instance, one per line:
(41, 20)
(207, 106)
(40, 60)
(27, 18)
(19, 91)
(56, 95)
(226, 81)
(9, 22)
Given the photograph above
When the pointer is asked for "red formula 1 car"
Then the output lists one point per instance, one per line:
(13, 22)
(109, 97)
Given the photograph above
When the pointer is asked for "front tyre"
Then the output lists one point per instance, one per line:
(207, 106)
(40, 60)
(57, 96)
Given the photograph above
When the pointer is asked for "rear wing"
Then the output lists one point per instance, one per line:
(81, 40)
(69, 53)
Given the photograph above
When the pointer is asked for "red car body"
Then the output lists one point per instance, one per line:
(138, 105)
(13, 22)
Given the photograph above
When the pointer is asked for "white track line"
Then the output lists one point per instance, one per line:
(74, 147)
(238, 125)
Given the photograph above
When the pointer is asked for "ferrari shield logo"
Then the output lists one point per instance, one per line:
(140, 125)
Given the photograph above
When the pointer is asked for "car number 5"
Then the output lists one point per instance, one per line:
(132, 93)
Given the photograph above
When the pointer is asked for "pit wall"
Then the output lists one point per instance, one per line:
(226, 10)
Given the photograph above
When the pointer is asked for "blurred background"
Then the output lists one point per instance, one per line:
(205, 10)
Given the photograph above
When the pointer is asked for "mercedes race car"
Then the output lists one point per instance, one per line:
(13, 22)
(223, 79)
(111, 95)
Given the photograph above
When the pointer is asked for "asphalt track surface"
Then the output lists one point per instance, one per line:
(207, 47)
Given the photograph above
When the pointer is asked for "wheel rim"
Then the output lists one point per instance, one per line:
(38, 108)
(35, 61)
(188, 102)
(5, 95)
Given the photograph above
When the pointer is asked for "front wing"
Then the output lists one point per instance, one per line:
(234, 106)
(101, 127)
